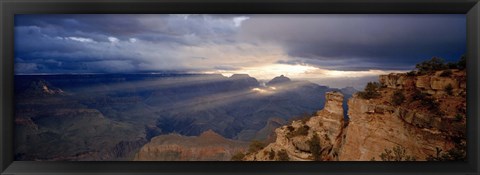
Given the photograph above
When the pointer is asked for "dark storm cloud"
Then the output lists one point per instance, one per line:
(100, 43)
(362, 42)
(121, 43)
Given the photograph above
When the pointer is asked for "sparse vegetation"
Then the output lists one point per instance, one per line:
(371, 91)
(448, 89)
(431, 65)
(290, 128)
(303, 118)
(301, 131)
(459, 117)
(458, 153)
(462, 63)
(397, 153)
(398, 98)
(255, 146)
(446, 73)
(425, 100)
(238, 156)
(411, 74)
(282, 155)
(315, 147)
(437, 64)
(271, 154)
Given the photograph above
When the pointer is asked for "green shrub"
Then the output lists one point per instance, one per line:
(459, 117)
(271, 154)
(411, 73)
(448, 89)
(430, 103)
(371, 91)
(398, 98)
(282, 155)
(462, 63)
(255, 146)
(303, 118)
(397, 153)
(418, 95)
(426, 100)
(315, 147)
(431, 65)
(238, 156)
(290, 128)
(301, 131)
(458, 153)
(446, 73)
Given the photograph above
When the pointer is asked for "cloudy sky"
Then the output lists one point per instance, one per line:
(335, 50)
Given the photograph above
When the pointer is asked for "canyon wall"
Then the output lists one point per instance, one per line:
(209, 146)
(431, 115)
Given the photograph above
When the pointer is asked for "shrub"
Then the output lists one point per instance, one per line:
(315, 148)
(446, 73)
(411, 73)
(397, 153)
(462, 63)
(255, 146)
(371, 91)
(418, 95)
(303, 131)
(282, 155)
(430, 103)
(238, 156)
(425, 100)
(448, 89)
(452, 65)
(290, 128)
(458, 153)
(398, 98)
(458, 117)
(303, 118)
(431, 65)
(271, 154)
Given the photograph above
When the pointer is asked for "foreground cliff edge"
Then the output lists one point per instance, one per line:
(407, 116)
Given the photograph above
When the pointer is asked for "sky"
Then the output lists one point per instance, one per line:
(330, 49)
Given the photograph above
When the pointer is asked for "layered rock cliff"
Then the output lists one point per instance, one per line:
(209, 146)
(419, 113)
(294, 139)
(431, 116)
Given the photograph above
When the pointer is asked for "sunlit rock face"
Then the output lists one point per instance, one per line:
(209, 146)
(326, 124)
(433, 83)
(378, 124)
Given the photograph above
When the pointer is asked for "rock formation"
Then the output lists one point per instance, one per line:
(278, 80)
(41, 88)
(209, 146)
(430, 116)
(294, 139)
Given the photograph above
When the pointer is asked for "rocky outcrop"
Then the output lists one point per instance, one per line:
(209, 146)
(433, 84)
(428, 118)
(278, 80)
(41, 88)
(373, 128)
(418, 125)
(296, 138)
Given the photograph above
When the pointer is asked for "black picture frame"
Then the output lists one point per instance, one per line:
(8, 8)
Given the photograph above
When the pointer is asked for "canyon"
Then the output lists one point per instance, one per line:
(430, 117)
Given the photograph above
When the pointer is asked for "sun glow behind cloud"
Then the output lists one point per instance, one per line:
(271, 70)
(332, 50)
(267, 72)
